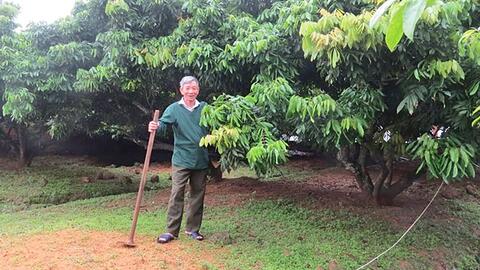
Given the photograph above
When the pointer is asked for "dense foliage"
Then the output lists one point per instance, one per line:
(401, 94)
(337, 74)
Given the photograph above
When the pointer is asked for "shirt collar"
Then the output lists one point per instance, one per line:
(182, 102)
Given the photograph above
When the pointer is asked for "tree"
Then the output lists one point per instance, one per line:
(268, 68)
(469, 46)
(7, 25)
(247, 59)
(387, 101)
(122, 92)
(17, 70)
(405, 19)
(37, 74)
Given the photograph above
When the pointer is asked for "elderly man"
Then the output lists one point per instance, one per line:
(189, 161)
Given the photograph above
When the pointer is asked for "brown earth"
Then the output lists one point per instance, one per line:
(8, 164)
(332, 188)
(75, 249)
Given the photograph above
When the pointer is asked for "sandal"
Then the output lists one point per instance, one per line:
(165, 238)
(195, 235)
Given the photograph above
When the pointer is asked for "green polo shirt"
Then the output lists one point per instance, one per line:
(187, 133)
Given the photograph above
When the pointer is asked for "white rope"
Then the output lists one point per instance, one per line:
(405, 233)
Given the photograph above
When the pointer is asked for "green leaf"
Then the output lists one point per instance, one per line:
(455, 171)
(476, 110)
(427, 159)
(380, 11)
(449, 168)
(416, 74)
(413, 11)
(471, 170)
(464, 156)
(454, 155)
(474, 88)
(401, 105)
(420, 167)
(477, 120)
(395, 31)
(360, 129)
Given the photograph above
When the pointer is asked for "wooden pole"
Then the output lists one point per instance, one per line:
(146, 164)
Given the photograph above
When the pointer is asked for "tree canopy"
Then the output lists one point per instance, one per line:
(337, 74)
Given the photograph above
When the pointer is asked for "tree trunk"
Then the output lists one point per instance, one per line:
(24, 152)
(397, 188)
(363, 179)
(7, 142)
(389, 163)
(381, 189)
(215, 171)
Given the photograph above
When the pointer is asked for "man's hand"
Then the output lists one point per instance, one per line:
(152, 126)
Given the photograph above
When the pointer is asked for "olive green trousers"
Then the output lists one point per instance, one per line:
(197, 182)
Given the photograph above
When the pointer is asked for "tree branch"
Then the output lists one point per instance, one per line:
(143, 109)
(156, 145)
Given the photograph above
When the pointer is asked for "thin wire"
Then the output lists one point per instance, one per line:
(405, 233)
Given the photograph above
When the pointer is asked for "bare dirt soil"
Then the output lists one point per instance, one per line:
(74, 249)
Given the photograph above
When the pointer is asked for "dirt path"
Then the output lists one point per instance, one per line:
(75, 249)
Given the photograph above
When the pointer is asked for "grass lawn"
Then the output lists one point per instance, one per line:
(259, 233)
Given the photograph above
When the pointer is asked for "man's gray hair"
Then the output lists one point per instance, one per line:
(188, 79)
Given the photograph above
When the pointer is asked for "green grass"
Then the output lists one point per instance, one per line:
(91, 214)
(56, 182)
(281, 235)
(469, 215)
(268, 234)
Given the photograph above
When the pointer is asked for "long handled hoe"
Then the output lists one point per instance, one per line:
(130, 242)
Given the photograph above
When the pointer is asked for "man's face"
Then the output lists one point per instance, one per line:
(190, 91)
